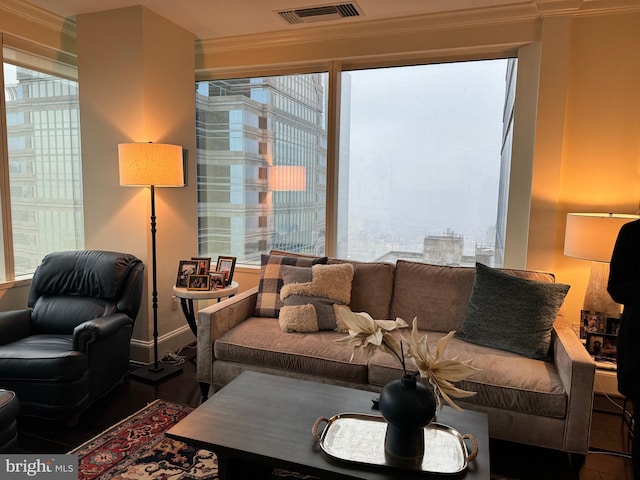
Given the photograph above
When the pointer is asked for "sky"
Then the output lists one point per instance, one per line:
(425, 149)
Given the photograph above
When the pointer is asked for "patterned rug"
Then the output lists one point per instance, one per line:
(136, 448)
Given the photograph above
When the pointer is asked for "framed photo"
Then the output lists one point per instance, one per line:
(592, 322)
(204, 264)
(602, 345)
(186, 268)
(613, 326)
(226, 265)
(198, 282)
(217, 280)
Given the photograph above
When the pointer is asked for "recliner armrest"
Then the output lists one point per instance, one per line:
(214, 321)
(577, 372)
(101, 327)
(14, 325)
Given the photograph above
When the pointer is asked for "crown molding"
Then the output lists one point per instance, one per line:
(351, 30)
(35, 25)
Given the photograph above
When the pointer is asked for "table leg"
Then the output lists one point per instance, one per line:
(204, 391)
(187, 309)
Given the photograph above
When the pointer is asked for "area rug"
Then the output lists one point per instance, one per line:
(137, 448)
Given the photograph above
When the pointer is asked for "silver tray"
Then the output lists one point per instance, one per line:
(359, 438)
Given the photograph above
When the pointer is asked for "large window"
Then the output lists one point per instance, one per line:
(43, 204)
(261, 159)
(420, 164)
(420, 174)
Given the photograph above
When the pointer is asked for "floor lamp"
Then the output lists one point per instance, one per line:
(152, 165)
(592, 236)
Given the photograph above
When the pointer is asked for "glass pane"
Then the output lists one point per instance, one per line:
(420, 162)
(43, 137)
(261, 159)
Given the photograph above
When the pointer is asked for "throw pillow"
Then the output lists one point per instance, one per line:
(311, 297)
(268, 302)
(511, 313)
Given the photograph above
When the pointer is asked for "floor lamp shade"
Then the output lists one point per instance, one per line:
(153, 165)
(592, 236)
(287, 178)
(158, 164)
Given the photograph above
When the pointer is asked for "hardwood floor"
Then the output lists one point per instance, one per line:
(606, 460)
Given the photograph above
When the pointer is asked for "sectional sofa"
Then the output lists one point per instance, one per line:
(536, 378)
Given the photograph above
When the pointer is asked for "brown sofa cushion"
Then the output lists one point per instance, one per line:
(259, 341)
(438, 295)
(506, 380)
(372, 287)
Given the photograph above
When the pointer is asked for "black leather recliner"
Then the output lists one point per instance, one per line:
(71, 346)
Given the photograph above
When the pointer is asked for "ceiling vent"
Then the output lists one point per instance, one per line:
(323, 13)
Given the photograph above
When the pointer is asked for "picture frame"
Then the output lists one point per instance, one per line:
(613, 326)
(591, 322)
(217, 280)
(204, 264)
(227, 265)
(602, 346)
(198, 282)
(185, 268)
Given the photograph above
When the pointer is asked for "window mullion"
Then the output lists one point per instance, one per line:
(333, 142)
(5, 192)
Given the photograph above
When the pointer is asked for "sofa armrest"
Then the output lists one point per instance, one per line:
(214, 321)
(577, 372)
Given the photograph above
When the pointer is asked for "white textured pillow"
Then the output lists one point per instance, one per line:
(311, 296)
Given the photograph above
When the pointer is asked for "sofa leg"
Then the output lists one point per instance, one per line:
(204, 390)
(576, 460)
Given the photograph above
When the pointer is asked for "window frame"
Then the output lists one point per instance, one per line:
(522, 155)
(21, 53)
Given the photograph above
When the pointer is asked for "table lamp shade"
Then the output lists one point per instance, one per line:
(158, 164)
(592, 236)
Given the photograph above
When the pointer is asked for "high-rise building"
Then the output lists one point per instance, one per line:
(261, 159)
(45, 168)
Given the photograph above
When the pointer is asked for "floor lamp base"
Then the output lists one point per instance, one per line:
(149, 374)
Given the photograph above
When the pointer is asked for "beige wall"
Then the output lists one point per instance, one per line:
(136, 76)
(580, 122)
(600, 168)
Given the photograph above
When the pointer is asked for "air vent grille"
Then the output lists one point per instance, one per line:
(322, 13)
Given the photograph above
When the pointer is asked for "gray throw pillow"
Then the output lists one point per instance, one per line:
(511, 313)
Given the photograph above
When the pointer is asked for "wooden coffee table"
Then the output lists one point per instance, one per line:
(262, 422)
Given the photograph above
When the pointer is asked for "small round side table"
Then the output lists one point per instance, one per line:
(188, 296)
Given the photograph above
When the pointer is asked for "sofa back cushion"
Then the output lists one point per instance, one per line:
(372, 287)
(438, 295)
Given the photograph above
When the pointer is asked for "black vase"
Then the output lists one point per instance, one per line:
(407, 405)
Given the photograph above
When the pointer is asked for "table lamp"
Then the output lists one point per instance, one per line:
(152, 165)
(592, 236)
